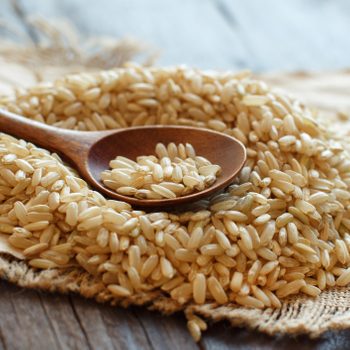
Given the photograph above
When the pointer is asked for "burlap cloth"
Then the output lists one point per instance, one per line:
(327, 91)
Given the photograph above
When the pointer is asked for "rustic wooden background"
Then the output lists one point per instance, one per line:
(267, 35)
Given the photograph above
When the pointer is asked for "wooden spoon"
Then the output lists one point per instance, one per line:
(91, 152)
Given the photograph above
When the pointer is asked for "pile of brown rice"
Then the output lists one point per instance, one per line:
(174, 171)
(282, 228)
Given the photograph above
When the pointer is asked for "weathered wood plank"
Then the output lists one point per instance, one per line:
(108, 327)
(221, 34)
(23, 322)
(71, 322)
(184, 31)
(124, 329)
(63, 322)
(32, 320)
(295, 35)
(222, 336)
(134, 328)
(91, 321)
(165, 332)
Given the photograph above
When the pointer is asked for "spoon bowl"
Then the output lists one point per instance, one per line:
(132, 142)
(91, 152)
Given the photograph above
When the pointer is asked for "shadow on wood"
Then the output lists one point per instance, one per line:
(37, 320)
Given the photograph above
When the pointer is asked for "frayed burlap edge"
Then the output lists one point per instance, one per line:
(298, 315)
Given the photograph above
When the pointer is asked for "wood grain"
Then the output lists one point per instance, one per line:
(296, 36)
(220, 34)
(36, 320)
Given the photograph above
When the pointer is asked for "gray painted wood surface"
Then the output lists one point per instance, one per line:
(265, 35)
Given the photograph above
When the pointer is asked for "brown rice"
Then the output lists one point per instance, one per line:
(282, 228)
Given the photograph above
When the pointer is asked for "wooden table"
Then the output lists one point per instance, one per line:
(212, 34)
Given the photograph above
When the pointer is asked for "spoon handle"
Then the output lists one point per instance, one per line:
(73, 144)
(30, 130)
